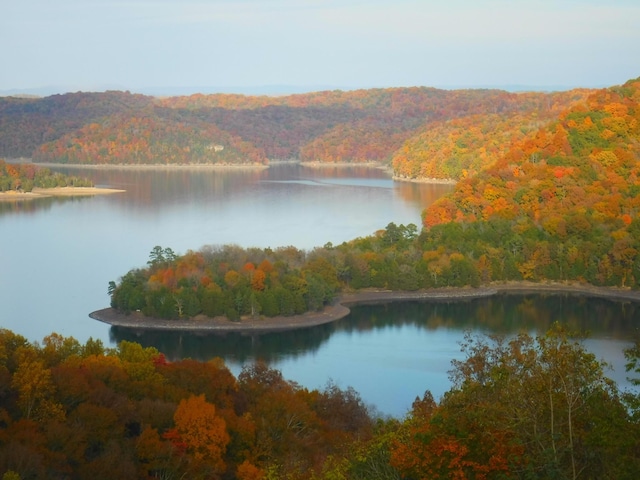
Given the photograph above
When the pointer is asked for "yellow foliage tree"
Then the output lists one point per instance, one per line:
(202, 431)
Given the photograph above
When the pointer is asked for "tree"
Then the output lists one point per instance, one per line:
(35, 389)
(546, 394)
(632, 355)
(203, 432)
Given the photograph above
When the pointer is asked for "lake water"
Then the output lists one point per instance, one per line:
(58, 255)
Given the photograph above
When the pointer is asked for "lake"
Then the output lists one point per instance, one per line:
(58, 255)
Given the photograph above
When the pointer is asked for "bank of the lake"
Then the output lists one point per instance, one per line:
(442, 181)
(156, 166)
(340, 308)
(57, 192)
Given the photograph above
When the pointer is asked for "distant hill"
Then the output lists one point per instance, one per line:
(461, 147)
(328, 126)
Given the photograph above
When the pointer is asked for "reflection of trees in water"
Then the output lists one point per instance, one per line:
(508, 313)
(423, 194)
(497, 314)
(154, 188)
(230, 346)
(33, 205)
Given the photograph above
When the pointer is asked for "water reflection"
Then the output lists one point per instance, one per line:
(422, 193)
(502, 314)
(33, 205)
(233, 347)
(156, 189)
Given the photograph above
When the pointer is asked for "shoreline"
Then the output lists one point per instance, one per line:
(173, 166)
(57, 192)
(231, 166)
(340, 308)
(342, 164)
(442, 181)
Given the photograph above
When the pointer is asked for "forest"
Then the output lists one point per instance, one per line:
(23, 177)
(561, 204)
(524, 407)
(548, 190)
(385, 126)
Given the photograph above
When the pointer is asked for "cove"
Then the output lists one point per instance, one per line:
(57, 256)
(391, 353)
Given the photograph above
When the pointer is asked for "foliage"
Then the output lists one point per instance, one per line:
(561, 204)
(519, 407)
(129, 413)
(461, 147)
(226, 281)
(522, 407)
(24, 177)
(332, 126)
(148, 140)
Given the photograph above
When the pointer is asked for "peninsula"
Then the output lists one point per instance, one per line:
(340, 308)
(56, 192)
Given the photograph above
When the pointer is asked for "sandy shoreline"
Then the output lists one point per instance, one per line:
(340, 308)
(57, 192)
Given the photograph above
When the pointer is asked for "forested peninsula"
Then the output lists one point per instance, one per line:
(25, 181)
(558, 205)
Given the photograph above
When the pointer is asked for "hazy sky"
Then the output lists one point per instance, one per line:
(132, 44)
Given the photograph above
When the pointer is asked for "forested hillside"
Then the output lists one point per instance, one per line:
(334, 126)
(28, 123)
(528, 408)
(561, 204)
(459, 148)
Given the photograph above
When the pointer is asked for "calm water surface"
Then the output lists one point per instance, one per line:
(58, 255)
(393, 353)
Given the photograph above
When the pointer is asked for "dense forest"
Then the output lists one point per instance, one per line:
(528, 407)
(23, 177)
(362, 126)
(561, 204)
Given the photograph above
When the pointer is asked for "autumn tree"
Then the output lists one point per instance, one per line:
(528, 406)
(32, 380)
(203, 433)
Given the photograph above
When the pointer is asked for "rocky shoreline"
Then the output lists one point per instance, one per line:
(340, 308)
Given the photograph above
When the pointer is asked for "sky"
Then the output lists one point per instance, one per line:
(194, 45)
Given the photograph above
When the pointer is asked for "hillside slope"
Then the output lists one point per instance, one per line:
(358, 126)
(565, 202)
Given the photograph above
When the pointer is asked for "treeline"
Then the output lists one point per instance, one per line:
(149, 140)
(227, 281)
(23, 177)
(523, 408)
(28, 123)
(234, 282)
(563, 204)
(334, 126)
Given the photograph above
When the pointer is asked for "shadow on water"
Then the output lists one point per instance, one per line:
(229, 346)
(501, 314)
(33, 205)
